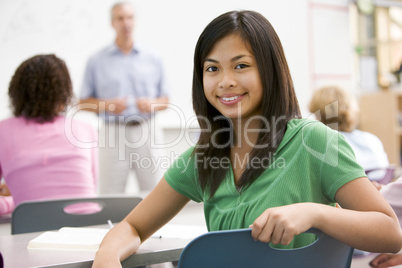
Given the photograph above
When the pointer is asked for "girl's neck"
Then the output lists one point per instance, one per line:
(245, 132)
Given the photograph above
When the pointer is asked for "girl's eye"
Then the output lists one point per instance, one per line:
(241, 66)
(211, 69)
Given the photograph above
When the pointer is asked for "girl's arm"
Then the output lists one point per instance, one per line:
(4, 191)
(147, 217)
(366, 221)
(6, 205)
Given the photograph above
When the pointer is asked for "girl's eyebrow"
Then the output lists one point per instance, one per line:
(211, 60)
(232, 60)
(238, 58)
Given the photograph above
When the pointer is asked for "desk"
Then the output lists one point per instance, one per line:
(15, 253)
(154, 250)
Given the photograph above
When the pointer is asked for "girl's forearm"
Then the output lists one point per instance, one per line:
(118, 244)
(365, 230)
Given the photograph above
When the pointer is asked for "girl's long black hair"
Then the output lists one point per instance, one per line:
(279, 103)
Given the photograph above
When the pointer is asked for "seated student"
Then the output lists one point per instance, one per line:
(257, 164)
(386, 260)
(6, 200)
(392, 192)
(339, 110)
(38, 157)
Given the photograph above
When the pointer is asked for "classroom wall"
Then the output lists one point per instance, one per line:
(314, 34)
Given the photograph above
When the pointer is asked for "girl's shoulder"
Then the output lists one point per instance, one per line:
(306, 127)
(308, 132)
(14, 123)
(305, 123)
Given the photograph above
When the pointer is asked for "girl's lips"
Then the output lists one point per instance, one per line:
(232, 99)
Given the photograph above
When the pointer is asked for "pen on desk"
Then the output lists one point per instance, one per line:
(156, 236)
(110, 224)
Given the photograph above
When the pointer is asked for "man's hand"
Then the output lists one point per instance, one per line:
(144, 105)
(147, 105)
(116, 105)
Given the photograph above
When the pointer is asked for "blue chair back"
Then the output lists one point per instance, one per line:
(236, 248)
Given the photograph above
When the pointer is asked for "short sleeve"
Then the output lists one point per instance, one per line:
(88, 87)
(332, 157)
(182, 176)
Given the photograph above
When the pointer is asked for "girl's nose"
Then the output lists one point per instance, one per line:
(227, 81)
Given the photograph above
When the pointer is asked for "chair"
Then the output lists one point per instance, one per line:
(236, 248)
(46, 215)
(381, 175)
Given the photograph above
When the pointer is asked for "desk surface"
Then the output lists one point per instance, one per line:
(15, 253)
(155, 250)
(152, 251)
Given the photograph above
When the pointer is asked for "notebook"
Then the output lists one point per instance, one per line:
(83, 238)
(69, 238)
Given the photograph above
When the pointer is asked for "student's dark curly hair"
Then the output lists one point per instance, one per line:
(40, 88)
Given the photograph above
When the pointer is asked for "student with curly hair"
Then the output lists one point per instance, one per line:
(339, 110)
(38, 159)
(257, 164)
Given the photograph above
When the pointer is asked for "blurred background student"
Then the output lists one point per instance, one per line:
(392, 192)
(38, 157)
(339, 110)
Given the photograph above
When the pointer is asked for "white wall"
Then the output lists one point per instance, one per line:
(314, 35)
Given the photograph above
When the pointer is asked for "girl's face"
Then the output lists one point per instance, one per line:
(231, 79)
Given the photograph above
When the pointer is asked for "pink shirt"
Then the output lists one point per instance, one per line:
(47, 161)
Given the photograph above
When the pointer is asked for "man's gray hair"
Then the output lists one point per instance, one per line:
(117, 4)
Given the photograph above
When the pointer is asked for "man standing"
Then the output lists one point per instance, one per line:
(125, 84)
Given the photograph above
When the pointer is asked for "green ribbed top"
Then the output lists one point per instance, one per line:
(311, 163)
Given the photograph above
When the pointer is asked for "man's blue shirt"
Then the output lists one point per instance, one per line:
(112, 74)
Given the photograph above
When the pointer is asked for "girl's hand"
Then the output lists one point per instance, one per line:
(386, 260)
(4, 190)
(107, 259)
(279, 225)
(377, 185)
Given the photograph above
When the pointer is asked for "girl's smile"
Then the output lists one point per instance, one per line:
(230, 99)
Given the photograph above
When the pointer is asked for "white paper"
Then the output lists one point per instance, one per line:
(180, 231)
